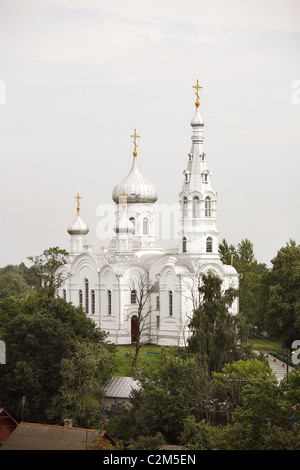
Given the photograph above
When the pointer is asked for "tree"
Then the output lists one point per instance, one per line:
(243, 259)
(280, 294)
(213, 329)
(141, 290)
(39, 334)
(167, 395)
(46, 279)
(12, 283)
(83, 375)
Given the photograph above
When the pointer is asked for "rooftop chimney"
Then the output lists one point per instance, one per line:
(67, 423)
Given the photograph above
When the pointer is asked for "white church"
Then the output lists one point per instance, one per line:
(134, 281)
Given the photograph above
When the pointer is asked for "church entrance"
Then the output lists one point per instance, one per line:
(134, 328)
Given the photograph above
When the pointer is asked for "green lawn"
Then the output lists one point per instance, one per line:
(125, 354)
(265, 345)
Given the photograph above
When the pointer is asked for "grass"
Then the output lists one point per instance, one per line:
(265, 345)
(125, 354)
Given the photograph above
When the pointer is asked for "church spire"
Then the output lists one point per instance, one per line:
(78, 230)
(197, 199)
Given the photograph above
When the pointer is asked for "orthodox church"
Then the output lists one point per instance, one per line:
(134, 283)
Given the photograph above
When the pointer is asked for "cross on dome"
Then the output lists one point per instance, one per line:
(197, 87)
(78, 201)
(135, 136)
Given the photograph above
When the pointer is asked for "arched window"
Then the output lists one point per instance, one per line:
(109, 302)
(93, 301)
(209, 245)
(132, 220)
(207, 206)
(196, 205)
(185, 206)
(170, 303)
(157, 302)
(145, 226)
(133, 297)
(86, 283)
(80, 298)
(64, 294)
(184, 245)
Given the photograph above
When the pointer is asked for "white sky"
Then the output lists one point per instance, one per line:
(80, 76)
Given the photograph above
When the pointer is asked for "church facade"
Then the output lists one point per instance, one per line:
(134, 281)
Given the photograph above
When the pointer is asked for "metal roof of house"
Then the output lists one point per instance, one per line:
(32, 436)
(120, 387)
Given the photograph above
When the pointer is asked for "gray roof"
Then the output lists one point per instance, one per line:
(120, 387)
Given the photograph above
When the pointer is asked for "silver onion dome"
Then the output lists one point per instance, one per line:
(78, 227)
(136, 187)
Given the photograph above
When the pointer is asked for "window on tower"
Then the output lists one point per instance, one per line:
(207, 207)
(185, 206)
(86, 282)
(209, 245)
(196, 207)
(170, 303)
(145, 226)
(187, 175)
(80, 298)
(184, 245)
(133, 297)
(93, 301)
(109, 302)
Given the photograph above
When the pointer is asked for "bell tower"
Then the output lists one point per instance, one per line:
(198, 201)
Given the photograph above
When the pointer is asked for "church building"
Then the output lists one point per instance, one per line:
(134, 281)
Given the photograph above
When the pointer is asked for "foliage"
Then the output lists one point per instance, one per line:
(243, 260)
(280, 295)
(45, 276)
(148, 442)
(15, 280)
(39, 333)
(213, 329)
(167, 395)
(83, 375)
(104, 444)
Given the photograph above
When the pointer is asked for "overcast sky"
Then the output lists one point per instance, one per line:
(78, 76)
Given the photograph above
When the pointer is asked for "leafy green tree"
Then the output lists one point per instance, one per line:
(262, 408)
(280, 295)
(243, 259)
(39, 333)
(15, 280)
(167, 395)
(12, 283)
(214, 335)
(83, 375)
(44, 268)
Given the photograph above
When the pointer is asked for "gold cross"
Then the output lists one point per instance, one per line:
(78, 201)
(123, 196)
(197, 86)
(135, 136)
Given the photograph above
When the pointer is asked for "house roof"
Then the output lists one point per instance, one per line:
(120, 387)
(32, 436)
